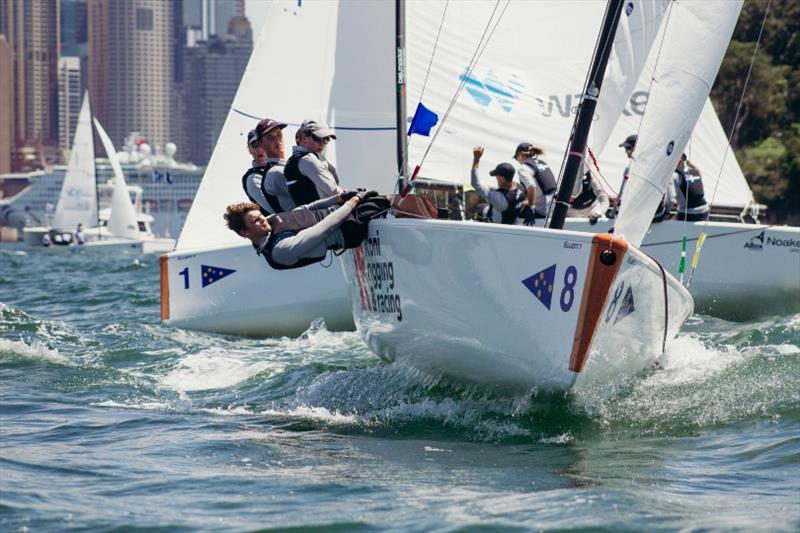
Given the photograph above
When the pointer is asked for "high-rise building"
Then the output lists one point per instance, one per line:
(32, 30)
(6, 106)
(213, 70)
(130, 73)
(75, 35)
(69, 101)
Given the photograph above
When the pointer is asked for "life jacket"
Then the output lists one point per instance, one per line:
(514, 197)
(692, 189)
(271, 198)
(586, 197)
(544, 176)
(354, 228)
(289, 224)
(301, 188)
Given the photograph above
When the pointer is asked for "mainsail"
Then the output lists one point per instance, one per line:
(351, 86)
(122, 221)
(77, 203)
(679, 90)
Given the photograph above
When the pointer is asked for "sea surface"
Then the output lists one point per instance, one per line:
(111, 421)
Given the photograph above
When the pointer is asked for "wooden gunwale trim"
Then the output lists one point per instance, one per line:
(596, 289)
(164, 260)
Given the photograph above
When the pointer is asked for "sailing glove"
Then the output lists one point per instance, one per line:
(529, 217)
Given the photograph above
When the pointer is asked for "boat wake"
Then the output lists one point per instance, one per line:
(715, 373)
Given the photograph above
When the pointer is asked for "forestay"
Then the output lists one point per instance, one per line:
(77, 203)
(122, 220)
(331, 61)
(700, 31)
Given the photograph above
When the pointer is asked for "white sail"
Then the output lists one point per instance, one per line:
(77, 203)
(679, 91)
(122, 221)
(638, 27)
(524, 89)
(303, 67)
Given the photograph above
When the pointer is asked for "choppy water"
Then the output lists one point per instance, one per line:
(109, 420)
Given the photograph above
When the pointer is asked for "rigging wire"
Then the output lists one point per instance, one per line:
(471, 66)
(433, 53)
(696, 256)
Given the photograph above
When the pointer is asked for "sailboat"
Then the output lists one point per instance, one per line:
(77, 202)
(124, 229)
(358, 98)
(544, 308)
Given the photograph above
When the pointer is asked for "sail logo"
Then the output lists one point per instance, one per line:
(670, 147)
(629, 9)
(565, 105)
(756, 242)
(492, 89)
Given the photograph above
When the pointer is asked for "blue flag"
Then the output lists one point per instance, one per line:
(156, 176)
(212, 274)
(168, 178)
(424, 119)
(541, 285)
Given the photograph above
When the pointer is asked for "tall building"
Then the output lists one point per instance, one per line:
(213, 70)
(6, 106)
(69, 101)
(31, 28)
(75, 35)
(130, 73)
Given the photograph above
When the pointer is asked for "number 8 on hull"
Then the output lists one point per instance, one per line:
(512, 307)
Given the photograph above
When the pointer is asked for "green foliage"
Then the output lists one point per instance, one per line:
(766, 133)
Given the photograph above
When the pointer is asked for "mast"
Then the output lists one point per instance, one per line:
(400, 97)
(94, 164)
(585, 114)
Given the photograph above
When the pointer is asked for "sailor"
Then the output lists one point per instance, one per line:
(588, 200)
(303, 236)
(46, 240)
(264, 183)
(629, 144)
(534, 178)
(504, 201)
(80, 237)
(308, 174)
(686, 193)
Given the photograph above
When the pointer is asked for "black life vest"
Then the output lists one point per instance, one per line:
(692, 189)
(288, 225)
(515, 198)
(271, 198)
(301, 188)
(544, 176)
(586, 197)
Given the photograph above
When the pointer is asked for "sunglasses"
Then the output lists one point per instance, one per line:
(320, 140)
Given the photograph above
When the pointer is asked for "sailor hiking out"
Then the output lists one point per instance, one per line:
(309, 175)
(504, 202)
(303, 236)
(264, 182)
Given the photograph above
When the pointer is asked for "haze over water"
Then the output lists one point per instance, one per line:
(110, 420)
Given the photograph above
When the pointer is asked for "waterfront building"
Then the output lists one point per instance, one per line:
(70, 97)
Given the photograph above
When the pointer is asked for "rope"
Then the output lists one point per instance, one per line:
(666, 307)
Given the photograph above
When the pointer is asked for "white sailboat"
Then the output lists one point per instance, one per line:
(77, 202)
(357, 98)
(124, 229)
(538, 307)
(214, 280)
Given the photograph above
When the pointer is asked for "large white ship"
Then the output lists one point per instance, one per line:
(160, 187)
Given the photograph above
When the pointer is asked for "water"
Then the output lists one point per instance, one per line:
(109, 420)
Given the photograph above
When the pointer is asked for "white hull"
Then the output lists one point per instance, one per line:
(745, 270)
(254, 299)
(450, 299)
